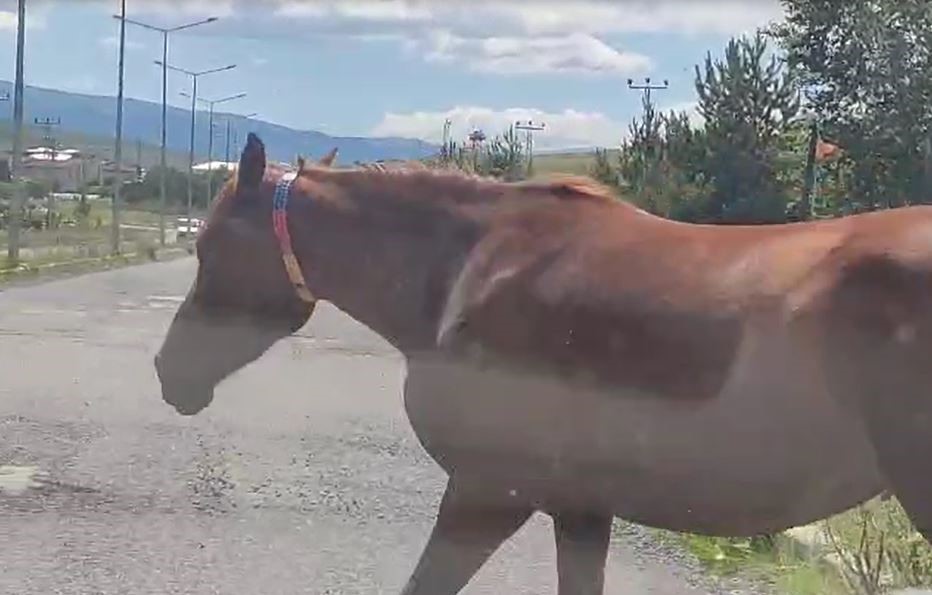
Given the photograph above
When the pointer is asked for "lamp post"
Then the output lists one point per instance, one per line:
(195, 75)
(16, 212)
(165, 31)
(210, 136)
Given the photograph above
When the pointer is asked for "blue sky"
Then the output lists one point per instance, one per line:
(396, 67)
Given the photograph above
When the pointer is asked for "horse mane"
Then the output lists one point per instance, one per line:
(562, 186)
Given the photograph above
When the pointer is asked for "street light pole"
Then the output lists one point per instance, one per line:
(210, 137)
(226, 157)
(194, 77)
(163, 162)
(16, 213)
(190, 200)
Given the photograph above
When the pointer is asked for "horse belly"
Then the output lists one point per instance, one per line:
(766, 454)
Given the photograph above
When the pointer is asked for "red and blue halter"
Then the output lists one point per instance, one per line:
(280, 224)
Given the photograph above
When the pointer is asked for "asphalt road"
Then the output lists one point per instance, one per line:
(303, 476)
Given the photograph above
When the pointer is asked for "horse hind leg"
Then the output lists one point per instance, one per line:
(582, 547)
(878, 357)
(473, 521)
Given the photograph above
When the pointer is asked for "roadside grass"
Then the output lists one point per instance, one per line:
(868, 550)
(567, 163)
(83, 242)
(763, 561)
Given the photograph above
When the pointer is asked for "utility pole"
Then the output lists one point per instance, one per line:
(47, 124)
(445, 150)
(530, 127)
(476, 138)
(648, 86)
(16, 160)
(163, 166)
(805, 205)
(118, 148)
(194, 78)
(210, 137)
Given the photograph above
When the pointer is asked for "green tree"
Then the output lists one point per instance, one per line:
(747, 100)
(662, 163)
(505, 157)
(602, 168)
(866, 70)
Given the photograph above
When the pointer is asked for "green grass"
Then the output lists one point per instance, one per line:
(786, 571)
(568, 163)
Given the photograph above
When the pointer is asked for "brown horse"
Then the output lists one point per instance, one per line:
(571, 354)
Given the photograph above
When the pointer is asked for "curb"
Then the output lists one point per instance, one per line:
(89, 265)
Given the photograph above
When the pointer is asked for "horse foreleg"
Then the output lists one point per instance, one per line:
(470, 526)
(582, 547)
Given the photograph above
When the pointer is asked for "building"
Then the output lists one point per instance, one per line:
(63, 170)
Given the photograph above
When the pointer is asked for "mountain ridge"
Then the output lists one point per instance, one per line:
(94, 115)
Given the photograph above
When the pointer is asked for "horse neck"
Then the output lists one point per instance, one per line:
(388, 263)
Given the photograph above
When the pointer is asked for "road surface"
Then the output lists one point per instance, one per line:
(302, 477)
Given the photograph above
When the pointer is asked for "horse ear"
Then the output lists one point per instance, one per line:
(251, 163)
(328, 159)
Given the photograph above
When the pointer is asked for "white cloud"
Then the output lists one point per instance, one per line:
(640, 16)
(566, 129)
(575, 53)
(189, 8)
(543, 17)
(369, 10)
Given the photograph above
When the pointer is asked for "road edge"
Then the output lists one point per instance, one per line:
(26, 274)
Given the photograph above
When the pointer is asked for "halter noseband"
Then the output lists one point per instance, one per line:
(280, 225)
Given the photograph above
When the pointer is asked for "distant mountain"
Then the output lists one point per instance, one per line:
(94, 115)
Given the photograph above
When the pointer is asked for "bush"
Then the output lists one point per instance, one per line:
(878, 548)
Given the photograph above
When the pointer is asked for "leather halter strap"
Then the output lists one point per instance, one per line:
(280, 224)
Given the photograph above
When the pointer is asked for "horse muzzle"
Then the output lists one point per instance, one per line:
(187, 395)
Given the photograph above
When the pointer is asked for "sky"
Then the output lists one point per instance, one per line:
(395, 67)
